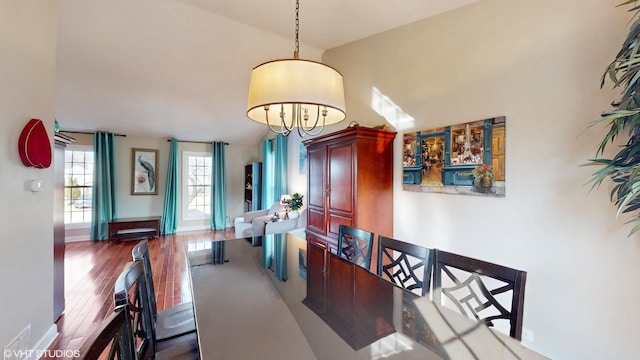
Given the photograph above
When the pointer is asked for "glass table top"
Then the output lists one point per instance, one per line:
(253, 300)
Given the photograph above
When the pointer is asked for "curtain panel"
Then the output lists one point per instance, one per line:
(280, 167)
(218, 187)
(267, 174)
(105, 195)
(170, 212)
(274, 170)
(274, 254)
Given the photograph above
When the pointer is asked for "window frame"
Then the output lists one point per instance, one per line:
(84, 224)
(184, 191)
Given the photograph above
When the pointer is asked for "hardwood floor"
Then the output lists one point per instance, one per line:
(91, 269)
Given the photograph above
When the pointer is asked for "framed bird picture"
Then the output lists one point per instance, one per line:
(144, 172)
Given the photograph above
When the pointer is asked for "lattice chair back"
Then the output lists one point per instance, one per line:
(355, 245)
(481, 290)
(140, 252)
(130, 289)
(174, 321)
(407, 265)
(113, 340)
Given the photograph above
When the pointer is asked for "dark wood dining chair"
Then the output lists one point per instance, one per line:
(480, 290)
(355, 245)
(409, 266)
(131, 289)
(113, 339)
(169, 323)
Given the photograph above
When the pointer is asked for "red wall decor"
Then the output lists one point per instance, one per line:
(34, 146)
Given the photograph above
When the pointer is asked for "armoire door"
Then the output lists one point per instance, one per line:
(340, 159)
(317, 194)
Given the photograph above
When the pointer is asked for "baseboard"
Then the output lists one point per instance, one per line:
(193, 228)
(77, 238)
(44, 342)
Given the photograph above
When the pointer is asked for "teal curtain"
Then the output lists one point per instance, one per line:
(217, 252)
(267, 174)
(218, 187)
(105, 200)
(274, 254)
(170, 214)
(280, 167)
(274, 170)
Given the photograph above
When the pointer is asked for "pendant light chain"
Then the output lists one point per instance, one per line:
(296, 53)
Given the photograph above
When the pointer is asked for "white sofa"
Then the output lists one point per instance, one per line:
(257, 223)
(280, 226)
(243, 224)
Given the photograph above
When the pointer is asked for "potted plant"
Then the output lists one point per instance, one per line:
(623, 120)
(483, 176)
(293, 204)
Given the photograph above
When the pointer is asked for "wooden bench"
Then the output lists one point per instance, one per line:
(134, 228)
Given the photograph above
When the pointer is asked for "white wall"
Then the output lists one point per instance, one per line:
(27, 70)
(159, 68)
(538, 63)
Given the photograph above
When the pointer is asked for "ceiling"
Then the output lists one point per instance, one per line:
(326, 24)
(180, 68)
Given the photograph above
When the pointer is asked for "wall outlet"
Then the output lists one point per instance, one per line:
(19, 347)
(527, 335)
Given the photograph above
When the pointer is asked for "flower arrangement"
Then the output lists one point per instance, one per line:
(294, 203)
(482, 171)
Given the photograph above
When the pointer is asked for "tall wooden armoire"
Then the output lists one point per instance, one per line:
(350, 181)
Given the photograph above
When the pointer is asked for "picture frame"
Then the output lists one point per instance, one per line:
(144, 171)
(462, 159)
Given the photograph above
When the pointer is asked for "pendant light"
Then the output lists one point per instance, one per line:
(296, 93)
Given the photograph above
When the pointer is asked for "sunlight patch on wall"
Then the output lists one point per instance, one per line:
(393, 113)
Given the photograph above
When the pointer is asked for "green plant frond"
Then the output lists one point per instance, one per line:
(631, 156)
(627, 194)
(599, 176)
(635, 228)
(609, 137)
(598, 162)
(631, 51)
(614, 193)
(624, 103)
(626, 3)
(631, 85)
(623, 169)
(611, 71)
(614, 114)
(633, 206)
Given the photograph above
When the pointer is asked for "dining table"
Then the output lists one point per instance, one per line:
(254, 299)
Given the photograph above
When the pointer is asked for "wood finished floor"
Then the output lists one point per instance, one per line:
(91, 269)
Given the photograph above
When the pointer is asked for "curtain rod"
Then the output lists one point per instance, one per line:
(87, 132)
(196, 142)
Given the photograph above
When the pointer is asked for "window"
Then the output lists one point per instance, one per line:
(78, 184)
(196, 202)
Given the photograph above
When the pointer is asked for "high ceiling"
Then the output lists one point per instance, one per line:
(181, 67)
(326, 24)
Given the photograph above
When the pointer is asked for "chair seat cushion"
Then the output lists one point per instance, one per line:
(175, 321)
(183, 347)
